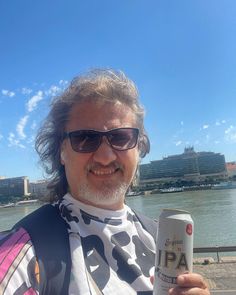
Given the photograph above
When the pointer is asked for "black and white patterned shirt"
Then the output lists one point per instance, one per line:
(111, 254)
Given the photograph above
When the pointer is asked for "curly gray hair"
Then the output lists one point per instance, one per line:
(96, 85)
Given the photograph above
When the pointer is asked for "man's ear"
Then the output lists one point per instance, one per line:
(62, 154)
(62, 157)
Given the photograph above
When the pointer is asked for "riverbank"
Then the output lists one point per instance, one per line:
(175, 189)
(19, 203)
(219, 276)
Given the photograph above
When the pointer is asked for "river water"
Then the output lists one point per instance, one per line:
(213, 212)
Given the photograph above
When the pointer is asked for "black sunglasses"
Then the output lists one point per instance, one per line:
(88, 141)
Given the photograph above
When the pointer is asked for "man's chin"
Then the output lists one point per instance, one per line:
(106, 197)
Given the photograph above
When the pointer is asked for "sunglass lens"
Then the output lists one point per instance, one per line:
(122, 139)
(84, 141)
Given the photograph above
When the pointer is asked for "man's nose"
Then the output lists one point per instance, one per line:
(105, 153)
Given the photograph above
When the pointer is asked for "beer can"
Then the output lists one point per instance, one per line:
(174, 249)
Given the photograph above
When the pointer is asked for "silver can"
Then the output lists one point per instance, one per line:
(174, 249)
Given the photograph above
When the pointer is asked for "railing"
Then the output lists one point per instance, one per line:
(216, 249)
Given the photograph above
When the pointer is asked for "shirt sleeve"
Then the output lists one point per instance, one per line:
(19, 273)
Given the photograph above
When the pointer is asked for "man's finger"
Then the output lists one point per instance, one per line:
(191, 280)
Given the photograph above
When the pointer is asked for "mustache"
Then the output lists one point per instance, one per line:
(114, 165)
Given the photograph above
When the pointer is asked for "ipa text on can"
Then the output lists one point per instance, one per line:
(174, 249)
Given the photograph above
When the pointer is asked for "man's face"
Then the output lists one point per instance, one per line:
(99, 178)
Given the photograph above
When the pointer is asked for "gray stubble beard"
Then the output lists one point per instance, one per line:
(110, 194)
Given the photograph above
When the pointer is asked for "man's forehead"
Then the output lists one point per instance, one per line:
(101, 115)
(102, 106)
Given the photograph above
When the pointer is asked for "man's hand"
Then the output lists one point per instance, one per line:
(189, 284)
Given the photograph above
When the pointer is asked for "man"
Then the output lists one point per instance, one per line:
(90, 144)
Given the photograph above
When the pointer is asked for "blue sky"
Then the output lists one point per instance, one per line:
(181, 54)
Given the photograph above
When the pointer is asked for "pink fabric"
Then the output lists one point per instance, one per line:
(30, 292)
(10, 250)
(10, 243)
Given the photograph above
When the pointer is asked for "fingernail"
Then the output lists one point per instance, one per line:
(180, 280)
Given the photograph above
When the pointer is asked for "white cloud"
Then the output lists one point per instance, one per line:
(182, 123)
(223, 121)
(11, 136)
(1, 136)
(53, 90)
(33, 126)
(8, 93)
(63, 82)
(14, 142)
(25, 90)
(178, 143)
(205, 126)
(230, 134)
(216, 141)
(32, 103)
(31, 139)
(20, 127)
(227, 131)
(218, 123)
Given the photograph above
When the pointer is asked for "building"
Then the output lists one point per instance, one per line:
(189, 166)
(231, 169)
(14, 187)
(39, 189)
